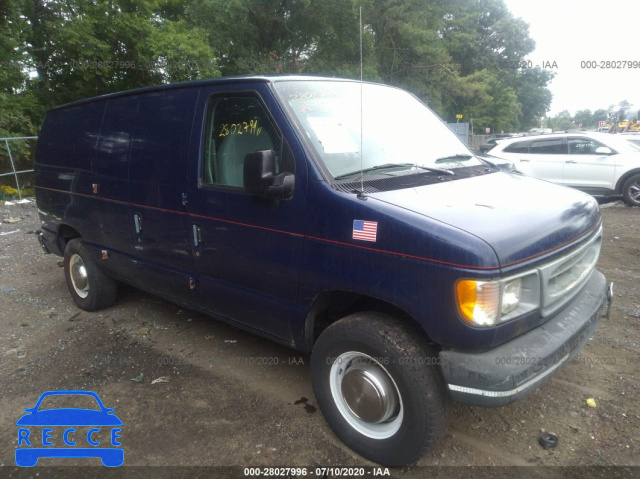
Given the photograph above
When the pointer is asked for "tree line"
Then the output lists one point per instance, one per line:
(587, 119)
(460, 56)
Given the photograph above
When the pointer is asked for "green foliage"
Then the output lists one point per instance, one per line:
(598, 116)
(182, 52)
(460, 56)
(7, 192)
(530, 86)
(483, 35)
(584, 119)
(408, 49)
(87, 48)
(562, 121)
(492, 103)
(11, 36)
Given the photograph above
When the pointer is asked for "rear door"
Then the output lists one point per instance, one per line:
(545, 159)
(246, 250)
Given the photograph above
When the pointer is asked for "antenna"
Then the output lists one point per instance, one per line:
(361, 62)
(361, 194)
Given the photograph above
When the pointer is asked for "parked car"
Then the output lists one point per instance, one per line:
(339, 218)
(632, 137)
(493, 141)
(600, 164)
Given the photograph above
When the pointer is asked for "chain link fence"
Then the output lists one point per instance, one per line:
(17, 155)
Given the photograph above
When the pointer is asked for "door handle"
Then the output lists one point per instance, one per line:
(197, 235)
(524, 161)
(137, 219)
(571, 161)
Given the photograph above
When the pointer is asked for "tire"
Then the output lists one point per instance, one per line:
(631, 191)
(390, 432)
(91, 289)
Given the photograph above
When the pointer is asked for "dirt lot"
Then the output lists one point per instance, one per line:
(228, 398)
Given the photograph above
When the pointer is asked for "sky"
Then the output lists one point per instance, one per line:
(572, 32)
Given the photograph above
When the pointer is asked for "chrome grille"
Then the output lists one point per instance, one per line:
(563, 278)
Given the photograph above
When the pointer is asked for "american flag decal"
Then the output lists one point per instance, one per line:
(365, 230)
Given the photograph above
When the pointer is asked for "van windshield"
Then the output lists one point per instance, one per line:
(392, 128)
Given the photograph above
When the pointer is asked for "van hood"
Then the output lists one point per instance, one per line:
(519, 217)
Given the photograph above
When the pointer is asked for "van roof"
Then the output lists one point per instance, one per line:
(199, 83)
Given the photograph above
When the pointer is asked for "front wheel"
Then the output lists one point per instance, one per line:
(379, 388)
(631, 191)
(91, 289)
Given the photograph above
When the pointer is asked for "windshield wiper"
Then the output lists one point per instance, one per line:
(459, 156)
(485, 161)
(435, 170)
(374, 168)
(465, 157)
(394, 165)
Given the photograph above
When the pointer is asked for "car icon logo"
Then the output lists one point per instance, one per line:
(69, 432)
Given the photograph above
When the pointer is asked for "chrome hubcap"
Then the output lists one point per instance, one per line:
(78, 273)
(369, 393)
(634, 192)
(366, 395)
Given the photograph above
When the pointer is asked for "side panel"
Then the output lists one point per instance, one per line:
(110, 167)
(115, 170)
(545, 160)
(157, 173)
(66, 150)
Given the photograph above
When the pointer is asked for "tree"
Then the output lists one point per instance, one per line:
(599, 115)
(584, 118)
(257, 35)
(408, 48)
(484, 35)
(530, 86)
(492, 104)
(15, 102)
(562, 121)
(85, 48)
(284, 36)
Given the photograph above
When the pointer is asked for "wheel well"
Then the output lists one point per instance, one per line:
(623, 179)
(331, 306)
(65, 234)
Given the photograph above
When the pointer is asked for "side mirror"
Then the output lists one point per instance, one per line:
(603, 150)
(260, 178)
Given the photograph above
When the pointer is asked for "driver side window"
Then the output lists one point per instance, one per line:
(234, 127)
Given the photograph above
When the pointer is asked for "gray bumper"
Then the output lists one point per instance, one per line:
(512, 370)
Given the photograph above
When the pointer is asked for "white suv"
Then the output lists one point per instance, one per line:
(600, 164)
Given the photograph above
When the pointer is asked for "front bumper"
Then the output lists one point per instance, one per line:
(512, 370)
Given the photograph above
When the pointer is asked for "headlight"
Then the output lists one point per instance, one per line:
(511, 293)
(479, 301)
(487, 303)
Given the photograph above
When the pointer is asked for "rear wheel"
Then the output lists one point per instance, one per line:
(379, 388)
(90, 287)
(631, 191)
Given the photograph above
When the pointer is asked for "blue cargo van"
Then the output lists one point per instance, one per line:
(339, 218)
